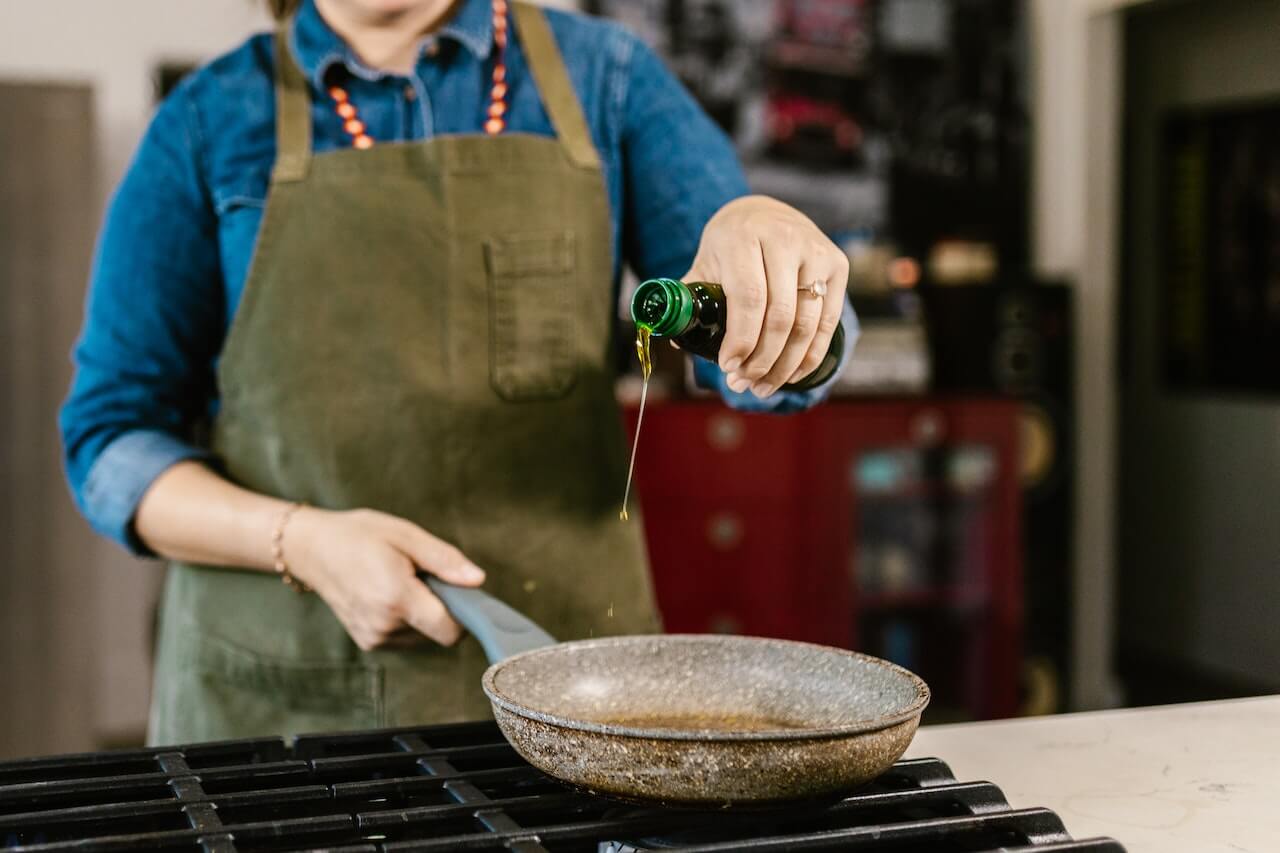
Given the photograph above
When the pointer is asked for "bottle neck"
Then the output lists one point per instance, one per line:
(664, 306)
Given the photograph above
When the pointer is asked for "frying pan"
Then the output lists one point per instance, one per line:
(690, 719)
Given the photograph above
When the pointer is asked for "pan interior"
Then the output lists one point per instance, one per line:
(706, 686)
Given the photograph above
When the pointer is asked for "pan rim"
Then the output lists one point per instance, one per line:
(857, 727)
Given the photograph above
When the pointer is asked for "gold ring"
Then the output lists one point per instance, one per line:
(817, 288)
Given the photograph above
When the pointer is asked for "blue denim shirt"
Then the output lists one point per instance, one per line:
(175, 248)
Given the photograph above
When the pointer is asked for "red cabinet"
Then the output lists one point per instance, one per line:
(727, 502)
(891, 527)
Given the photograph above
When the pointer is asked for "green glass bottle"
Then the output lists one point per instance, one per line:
(693, 315)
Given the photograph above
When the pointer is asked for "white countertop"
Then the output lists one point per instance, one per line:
(1196, 778)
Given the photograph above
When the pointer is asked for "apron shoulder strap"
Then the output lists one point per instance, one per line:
(552, 78)
(293, 113)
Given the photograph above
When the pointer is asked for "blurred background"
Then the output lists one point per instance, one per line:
(1049, 479)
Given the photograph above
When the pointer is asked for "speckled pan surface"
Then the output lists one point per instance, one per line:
(706, 773)
(748, 688)
(704, 719)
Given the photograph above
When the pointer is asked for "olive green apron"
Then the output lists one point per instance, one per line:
(426, 330)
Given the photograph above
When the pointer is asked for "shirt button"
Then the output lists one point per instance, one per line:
(409, 94)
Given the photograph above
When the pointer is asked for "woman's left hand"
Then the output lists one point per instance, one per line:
(768, 257)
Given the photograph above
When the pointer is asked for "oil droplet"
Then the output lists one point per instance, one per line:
(530, 585)
(610, 609)
(646, 369)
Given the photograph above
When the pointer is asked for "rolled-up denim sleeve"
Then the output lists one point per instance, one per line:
(121, 474)
(680, 168)
(152, 327)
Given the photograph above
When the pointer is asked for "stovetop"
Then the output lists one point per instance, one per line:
(461, 787)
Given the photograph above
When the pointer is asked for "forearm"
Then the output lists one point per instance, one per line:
(190, 513)
(364, 564)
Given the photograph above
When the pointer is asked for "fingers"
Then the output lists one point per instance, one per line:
(377, 594)
(745, 274)
(396, 609)
(425, 613)
(828, 321)
(436, 556)
(782, 270)
(405, 637)
(762, 250)
(808, 313)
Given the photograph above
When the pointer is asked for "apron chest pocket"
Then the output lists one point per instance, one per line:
(532, 318)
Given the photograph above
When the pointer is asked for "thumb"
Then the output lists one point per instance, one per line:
(700, 271)
(438, 557)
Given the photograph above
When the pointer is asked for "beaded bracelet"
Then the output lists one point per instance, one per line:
(277, 550)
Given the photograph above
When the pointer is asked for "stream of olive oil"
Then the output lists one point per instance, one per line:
(646, 368)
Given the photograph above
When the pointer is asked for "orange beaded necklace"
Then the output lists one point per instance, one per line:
(495, 115)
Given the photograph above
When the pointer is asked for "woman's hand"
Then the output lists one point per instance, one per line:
(364, 565)
(762, 252)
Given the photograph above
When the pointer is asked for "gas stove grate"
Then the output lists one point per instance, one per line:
(461, 787)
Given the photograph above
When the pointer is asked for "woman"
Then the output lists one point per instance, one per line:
(413, 374)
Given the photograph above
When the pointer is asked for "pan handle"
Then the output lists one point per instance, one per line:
(502, 630)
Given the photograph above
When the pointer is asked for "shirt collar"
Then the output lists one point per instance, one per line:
(316, 47)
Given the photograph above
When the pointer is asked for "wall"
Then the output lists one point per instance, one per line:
(1201, 543)
(1076, 61)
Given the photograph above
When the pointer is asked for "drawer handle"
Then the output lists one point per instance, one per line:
(726, 432)
(928, 428)
(724, 531)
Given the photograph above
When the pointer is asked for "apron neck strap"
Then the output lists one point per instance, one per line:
(552, 78)
(293, 113)
(293, 102)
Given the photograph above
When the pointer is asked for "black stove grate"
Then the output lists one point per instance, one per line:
(461, 787)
